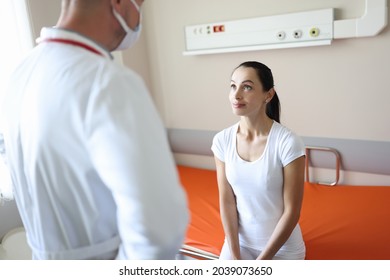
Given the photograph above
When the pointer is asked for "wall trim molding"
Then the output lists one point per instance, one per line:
(356, 155)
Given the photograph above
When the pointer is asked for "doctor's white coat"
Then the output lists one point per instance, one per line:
(89, 159)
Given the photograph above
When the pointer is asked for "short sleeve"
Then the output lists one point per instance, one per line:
(218, 146)
(291, 148)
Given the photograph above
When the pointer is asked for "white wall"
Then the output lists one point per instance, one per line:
(336, 91)
(43, 13)
(339, 91)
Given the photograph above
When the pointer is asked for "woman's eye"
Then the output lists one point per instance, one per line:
(232, 86)
(246, 87)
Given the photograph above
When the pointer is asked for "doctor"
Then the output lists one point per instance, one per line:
(93, 174)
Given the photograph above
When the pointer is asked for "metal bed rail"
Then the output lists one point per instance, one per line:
(195, 252)
(308, 149)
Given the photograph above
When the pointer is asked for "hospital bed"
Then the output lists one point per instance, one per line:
(338, 222)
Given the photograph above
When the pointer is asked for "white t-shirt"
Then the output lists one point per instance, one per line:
(258, 186)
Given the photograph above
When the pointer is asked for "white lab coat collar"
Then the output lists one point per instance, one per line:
(60, 33)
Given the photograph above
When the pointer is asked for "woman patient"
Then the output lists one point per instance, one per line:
(260, 170)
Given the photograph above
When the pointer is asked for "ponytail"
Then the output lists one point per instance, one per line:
(273, 108)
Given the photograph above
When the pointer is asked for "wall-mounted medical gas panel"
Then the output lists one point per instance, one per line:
(280, 31)
(302, 29)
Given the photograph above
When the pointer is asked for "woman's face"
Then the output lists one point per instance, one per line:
(247, 95)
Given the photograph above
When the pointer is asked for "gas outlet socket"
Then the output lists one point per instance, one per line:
(281, 35)
(297, 34)
(314, 32)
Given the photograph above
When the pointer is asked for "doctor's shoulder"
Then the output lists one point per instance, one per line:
(125, 74)
(118, 79)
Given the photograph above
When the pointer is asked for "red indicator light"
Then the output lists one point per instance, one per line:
(219, 28)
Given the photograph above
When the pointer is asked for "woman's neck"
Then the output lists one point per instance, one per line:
(254, 128)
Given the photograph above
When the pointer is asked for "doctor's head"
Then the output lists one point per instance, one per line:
(114, 24)
(252, 91)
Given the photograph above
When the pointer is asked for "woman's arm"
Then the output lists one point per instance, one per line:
(292, 196)
(228, 210)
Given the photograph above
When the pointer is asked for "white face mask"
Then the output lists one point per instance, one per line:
(132, 36)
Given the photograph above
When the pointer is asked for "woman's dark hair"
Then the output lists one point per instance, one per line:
(267, 80)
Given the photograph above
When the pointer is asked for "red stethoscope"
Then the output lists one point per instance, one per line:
(72, 42)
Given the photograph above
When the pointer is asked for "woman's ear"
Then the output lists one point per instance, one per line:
(270, 95)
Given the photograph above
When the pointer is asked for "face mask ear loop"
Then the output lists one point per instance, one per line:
(136, 6)
(123, 23)
(121, 20)
(139, 12)
(131, 35)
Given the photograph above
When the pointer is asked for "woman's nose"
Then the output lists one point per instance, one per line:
(237, 94)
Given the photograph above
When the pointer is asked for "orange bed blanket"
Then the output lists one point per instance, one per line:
(205, 230)
(338, 223)
(346, 222)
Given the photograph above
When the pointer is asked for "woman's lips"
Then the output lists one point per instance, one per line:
(238, 105)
